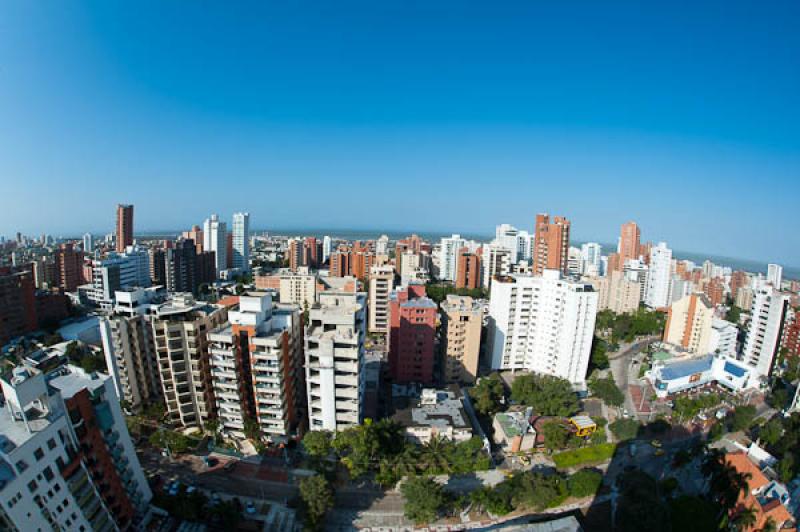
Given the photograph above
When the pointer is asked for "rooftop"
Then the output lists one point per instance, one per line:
(684, 368)
(436, 408)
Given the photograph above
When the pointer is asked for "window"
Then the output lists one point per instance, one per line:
(38, 454)
(32, 486)
(48, 474)
(51, 444)
(22, 465)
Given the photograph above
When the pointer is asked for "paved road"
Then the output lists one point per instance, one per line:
(624, 374)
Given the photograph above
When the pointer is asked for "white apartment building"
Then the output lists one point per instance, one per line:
(241, 241)
(180, 328)
(518, 242)
(496, 261)
(763, 338)
(616, 293)
(327, 246)
(334, 360)
(381, 284)
(574, 261)
(382, 245)
(256, 368)
(57, 472)
(448, 256)
(215, 238)
(659, 277)
(723, 337)
(591, 254)
(543, 324)
(775, 275)
(88, 243)
(129, 269)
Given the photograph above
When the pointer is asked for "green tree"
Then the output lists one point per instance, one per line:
(733, 315)
(607, 390)
(599, 356)
(584, 483)
(742, 418)
(317, 443)
(424, 499)
(744, 519)
(488, 394)
(317, 497)
(536, 491)
(548, 395)
(771, 432)
(556, 435)
(491, 500)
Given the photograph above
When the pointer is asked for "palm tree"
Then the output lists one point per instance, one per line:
(434, 456)
(744, 519)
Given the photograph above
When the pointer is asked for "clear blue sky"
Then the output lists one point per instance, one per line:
(407, 115)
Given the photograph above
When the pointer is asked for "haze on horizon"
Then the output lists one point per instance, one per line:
(442, 118)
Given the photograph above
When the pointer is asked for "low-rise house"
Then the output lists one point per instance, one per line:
(680, 375)
(436, 413)
(513, 431)
(766, 497)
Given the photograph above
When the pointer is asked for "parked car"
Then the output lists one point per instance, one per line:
(656, 443)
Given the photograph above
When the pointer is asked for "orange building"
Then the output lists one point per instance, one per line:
(760, 495)
(629, 242)
(468, 270)
(124, 227)
(551, 244)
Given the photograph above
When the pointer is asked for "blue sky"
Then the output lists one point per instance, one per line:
(438, 116)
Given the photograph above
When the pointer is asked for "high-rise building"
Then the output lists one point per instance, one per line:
(326, 248)
(468, 270)
(124, 227)
(496, 263)
(551, 244)
(412, 328)
(180, 330)
(791, 334)
(195, 234)
(311, 252)
(448, 256)
(516, 241)
(659, 277)
(158, 274)
(763, 340)
(296, 255)
(616, 293)
(298, 288)
(256, 360)
(689, 323)
(543, 324)
(461, 338)
(591, 255)
(334, 361)
(17, 305)
(382, 245)
(340, 264)
(68, 461)
(69, 265)
(775, 275)
(180, 267)
(88, 243)
(130, 351)
(215, 238)
(629, 246)
(241, 241)
(381, 284)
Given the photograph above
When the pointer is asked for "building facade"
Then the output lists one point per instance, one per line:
(460, 339)
(412, 331)
(241, 241)
(381, 284)
(543, 324)
(551, 244)
(215, 238)
(124, 227)
(659, 277)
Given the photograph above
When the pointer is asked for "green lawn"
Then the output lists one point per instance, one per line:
(585, 455)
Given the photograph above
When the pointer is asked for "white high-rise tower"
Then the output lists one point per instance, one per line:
(215, 238)
(241, 241)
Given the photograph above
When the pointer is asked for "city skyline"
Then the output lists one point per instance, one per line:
(693, 132)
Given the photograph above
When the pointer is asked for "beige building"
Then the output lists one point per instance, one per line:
(617, 293)
(298, 288)
(689, 323)
(381, 284)
(180, 329)
(461, 338)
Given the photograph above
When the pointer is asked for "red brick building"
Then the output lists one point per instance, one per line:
(69, 267)
(412, 328)
(124, 227)
(551, 244)
(468, 270)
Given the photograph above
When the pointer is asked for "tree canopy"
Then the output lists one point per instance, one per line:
(317, 497)
(488, 394)
(607, 391)
(424, 499)
(548, 395)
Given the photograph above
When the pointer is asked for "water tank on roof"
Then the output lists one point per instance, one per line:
(19, 375)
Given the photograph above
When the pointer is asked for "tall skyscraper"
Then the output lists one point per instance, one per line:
(659, 277)
(381, 283)
(591, 253)
(215, 238)
(88, 243)
(448, 256)
(543, 324)
(69, 265)
(629, 237)
(514, 240)
(468, 270)
(775, 275)
(241, 241)
(124, 227)
(551, 244)
(326, 248)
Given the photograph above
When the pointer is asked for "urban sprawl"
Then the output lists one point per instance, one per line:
(225, 379)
